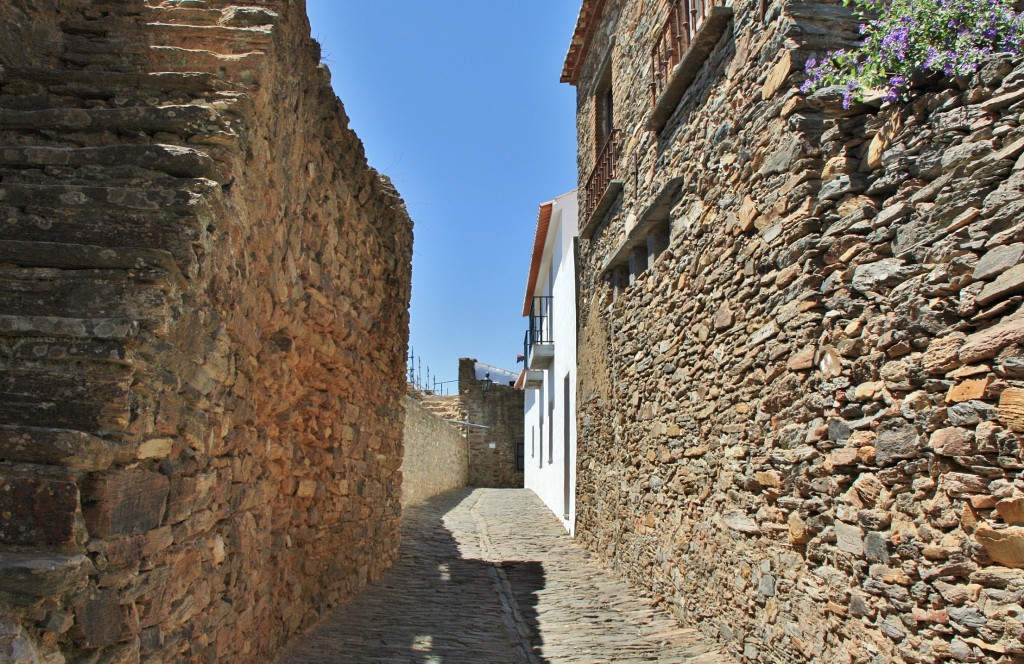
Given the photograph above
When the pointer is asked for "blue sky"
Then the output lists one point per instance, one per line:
(459, 102)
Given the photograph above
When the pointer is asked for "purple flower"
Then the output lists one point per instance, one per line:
(900, 37)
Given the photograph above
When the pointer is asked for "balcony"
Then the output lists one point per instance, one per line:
(692, 29)
(539, 343)
(534, 379)
(602, 186)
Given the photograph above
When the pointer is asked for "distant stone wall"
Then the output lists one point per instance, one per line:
(800, 424)
(203, 326)
(436, 456)
(492, 450)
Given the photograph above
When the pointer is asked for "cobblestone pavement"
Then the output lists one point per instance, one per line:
(488, 576)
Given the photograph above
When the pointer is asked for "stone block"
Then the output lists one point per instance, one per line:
(156, 448)
(38, 507)
(33, 576)
(99, 620)
(952, 441)
(963, 484)
(57, 447)
(306, 489)
(943, 354)
(778, 75)
(876, 548)
(997, 577)
(802, 359)
(741, 523)
(125, 502)
(798, 531)
(1011, 409)
(843, 456)
(849, 538)
(747, 215)
(967, 390)
(997, 260)
(1006, 284)
(1012, 510)
(988, 342)
(1005, 546)
(896, 440)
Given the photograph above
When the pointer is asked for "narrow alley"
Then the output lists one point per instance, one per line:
(488, 575)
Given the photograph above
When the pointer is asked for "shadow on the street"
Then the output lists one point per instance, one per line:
(434, 606)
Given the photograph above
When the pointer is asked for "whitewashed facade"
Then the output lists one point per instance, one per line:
(549, 378)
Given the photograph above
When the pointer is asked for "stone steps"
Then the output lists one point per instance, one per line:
(73, 372)
(58, 447)
(173, 232)
(106, 180)
(243, 67)
(200, 124)
(90, 54)
(132, 38)
(184, 15)
(218, 38)
(68, 256)
(85, 396)
(28, 576)
(115, 163)
(99, 197)
(443, 407)
(131, 294)
(34, 88)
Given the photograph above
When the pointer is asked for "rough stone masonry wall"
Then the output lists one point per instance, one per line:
(501, 411)
(800, 426)
(436, 454)
(203, 324)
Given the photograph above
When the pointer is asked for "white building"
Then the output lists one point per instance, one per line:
(550, 354)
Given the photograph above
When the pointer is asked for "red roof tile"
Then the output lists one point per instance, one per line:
(539, 239)
(586, 24)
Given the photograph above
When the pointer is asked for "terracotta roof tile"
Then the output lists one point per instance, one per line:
(539, 239)
(586, 24)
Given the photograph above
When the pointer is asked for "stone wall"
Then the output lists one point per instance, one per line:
(799, 423)
(492, 451)
(436, 454)
(203, 325)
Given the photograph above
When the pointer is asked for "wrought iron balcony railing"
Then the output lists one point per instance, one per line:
(688, 34)
(538, 343)
(684, 19)
(602, 175)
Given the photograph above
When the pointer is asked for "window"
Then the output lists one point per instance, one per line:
(604, 108)
(602, 185)
(540, 407)
(520, 455)
(551, 432)
(605, 116)
(533, 442)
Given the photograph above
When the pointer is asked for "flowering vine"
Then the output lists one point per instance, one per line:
(904, 38)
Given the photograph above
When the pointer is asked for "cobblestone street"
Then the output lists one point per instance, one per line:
(489, 576)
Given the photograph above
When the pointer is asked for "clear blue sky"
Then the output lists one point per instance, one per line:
(459, 102)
